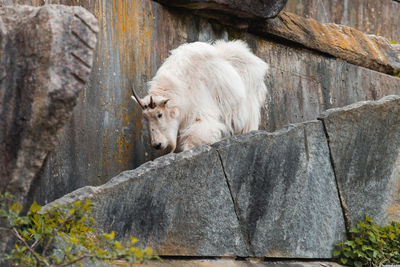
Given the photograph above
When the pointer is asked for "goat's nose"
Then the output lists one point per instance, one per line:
(157, 146)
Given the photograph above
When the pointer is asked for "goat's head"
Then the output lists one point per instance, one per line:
(163, 121)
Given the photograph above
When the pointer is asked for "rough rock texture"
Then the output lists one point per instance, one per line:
(233, 263)
(364, 140)
(177, 205)
(369, 16)
(284, 191)
(262, 194)
(227, 263)
(231, 10)
(46, 56)
(273, 196)
(302, 83)
(370, 51)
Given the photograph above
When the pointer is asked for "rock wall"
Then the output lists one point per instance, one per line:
(288, 193)
(106, 134)
(292, 193)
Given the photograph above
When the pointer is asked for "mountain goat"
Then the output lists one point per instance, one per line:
(203, 93)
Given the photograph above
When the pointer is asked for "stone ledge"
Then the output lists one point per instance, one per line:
(227, 263)
(189, 204)
(261, 9)
(260, 194)
(369, 51)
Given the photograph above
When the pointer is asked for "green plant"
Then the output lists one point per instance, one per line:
(370, 245)
(61, 236)
(393, 42)
(396, 74)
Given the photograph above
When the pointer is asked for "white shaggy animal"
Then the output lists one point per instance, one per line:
(203, 93)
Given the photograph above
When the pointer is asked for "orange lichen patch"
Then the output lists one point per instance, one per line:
(126, 29)
(341, 39)
(317, 31)
(366, 46)
(374, 44)
(125, 145)
(325, 34)
(338, 40)
(132, 27)
(173, 247)
(277, 254)
(393, 213)
(291, 24)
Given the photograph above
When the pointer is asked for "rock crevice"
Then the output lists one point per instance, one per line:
(345, 211)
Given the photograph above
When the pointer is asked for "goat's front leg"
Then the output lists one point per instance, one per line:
(202, 132)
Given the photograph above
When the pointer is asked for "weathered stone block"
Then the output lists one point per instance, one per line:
(178, 205)
(364, 140)
(369, 51)
(46, 56)
(284, 191)
(243, 9)
(226, 263)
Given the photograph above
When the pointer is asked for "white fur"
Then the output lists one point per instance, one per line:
(214, 91)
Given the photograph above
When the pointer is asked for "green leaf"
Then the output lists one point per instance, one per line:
(358, 264)
(368, 219)
(69, 225)
(354, 230)
(35, 207)
(110, 236)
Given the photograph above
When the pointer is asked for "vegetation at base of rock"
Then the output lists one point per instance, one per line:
(370, 245)
(393, 42)
(61, 236)
(396, 74)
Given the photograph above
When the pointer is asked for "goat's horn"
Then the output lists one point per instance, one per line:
(152, 104)
(138, 100)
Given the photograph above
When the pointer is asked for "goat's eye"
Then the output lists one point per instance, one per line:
(159, 115)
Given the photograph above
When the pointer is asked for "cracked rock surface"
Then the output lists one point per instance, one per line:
(260, 194)
(178, 205)
(284, 190)
(364, 139)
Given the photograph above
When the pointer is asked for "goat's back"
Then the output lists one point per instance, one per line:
(223, 81)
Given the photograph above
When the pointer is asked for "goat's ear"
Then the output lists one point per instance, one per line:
(163, 102)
